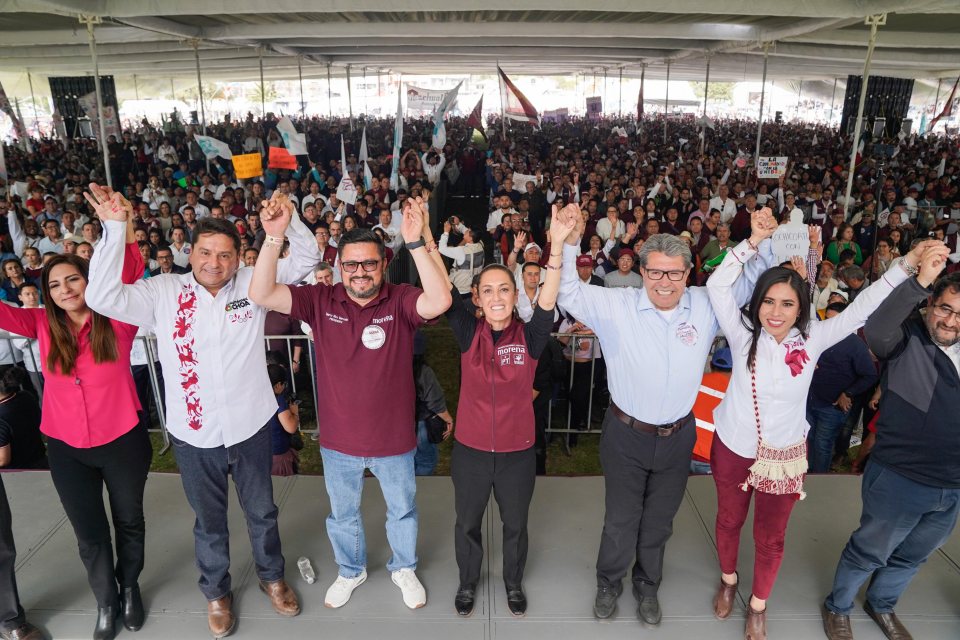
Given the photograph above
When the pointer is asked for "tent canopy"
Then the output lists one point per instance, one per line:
(811, 39)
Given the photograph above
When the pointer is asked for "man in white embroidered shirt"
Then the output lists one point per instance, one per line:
(210, 342)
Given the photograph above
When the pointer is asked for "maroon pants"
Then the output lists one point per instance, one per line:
(770, 516)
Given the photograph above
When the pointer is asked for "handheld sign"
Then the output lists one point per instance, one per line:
(771, 166)
(280, 158)
(791, 239)
(248, 165)
(347, 191)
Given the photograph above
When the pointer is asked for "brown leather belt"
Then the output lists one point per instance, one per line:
(661, 431)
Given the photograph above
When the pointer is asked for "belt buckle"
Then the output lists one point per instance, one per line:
(664, 431)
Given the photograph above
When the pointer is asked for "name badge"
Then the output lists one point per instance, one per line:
(687, 334)
(373, 336)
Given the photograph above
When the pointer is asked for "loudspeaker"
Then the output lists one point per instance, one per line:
(778, 117)
(67, 91)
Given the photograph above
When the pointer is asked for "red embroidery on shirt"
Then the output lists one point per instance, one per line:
(796, 357)
(183, 343)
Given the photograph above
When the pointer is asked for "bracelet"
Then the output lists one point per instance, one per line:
(751, 245)
(273, 240)
(295, 361)
(556, 255)
(415, 245)
(550, 267)
(911, 271)
(433, 246)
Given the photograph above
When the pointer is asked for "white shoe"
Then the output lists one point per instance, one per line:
(414, 595)
(340, 591)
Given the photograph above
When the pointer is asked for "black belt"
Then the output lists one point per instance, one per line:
(661, 431)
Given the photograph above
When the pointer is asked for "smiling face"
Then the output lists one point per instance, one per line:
(497, 293)
(779, 310)
(214, 259)
(945, 331)
(664, 293)
(67, 286)
(361, 284)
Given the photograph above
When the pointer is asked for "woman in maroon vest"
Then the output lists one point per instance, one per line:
(495, 430)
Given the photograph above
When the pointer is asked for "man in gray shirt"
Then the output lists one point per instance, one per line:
(624, 276)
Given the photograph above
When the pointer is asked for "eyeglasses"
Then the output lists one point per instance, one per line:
(350, 266)
(943, 311)
(657, 274)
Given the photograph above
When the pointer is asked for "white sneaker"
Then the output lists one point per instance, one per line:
(414, 595)
(340, 591)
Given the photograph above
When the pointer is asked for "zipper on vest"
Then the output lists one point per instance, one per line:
(493, 413)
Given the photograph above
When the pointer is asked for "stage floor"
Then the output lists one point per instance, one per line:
(565, 523)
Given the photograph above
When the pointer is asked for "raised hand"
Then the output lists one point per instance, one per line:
(108, 204)
(915, 255)
(814, 231)
(632, 230)
(275, 214)
(561, 226)
(932, 262)
(520, 241)
(762, 225)
(800, 266)
(412, 226)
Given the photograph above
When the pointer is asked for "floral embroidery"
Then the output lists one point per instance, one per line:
(184, 344)
(796, 357)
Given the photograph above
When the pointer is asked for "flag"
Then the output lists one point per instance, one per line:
(212, 147)
(296, 143)
(515, 104)
(3, 165)
(17, 122)
(439, 128)
(814, 142)
(948, 107)
(397, 139)
(346, 190)
(640, 97)
(475, 121)
(923, 124)
(364, 167)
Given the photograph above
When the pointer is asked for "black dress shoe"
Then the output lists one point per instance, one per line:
(26, 631)
(106, 617)
(606, 603)
(133, 614)
(466, 597)
(516, 601)
(649, 610)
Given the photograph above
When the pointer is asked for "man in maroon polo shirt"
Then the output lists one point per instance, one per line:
(364, 329)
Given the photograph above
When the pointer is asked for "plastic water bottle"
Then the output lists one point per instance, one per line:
(306, 570)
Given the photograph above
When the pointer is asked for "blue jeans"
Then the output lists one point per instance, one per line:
(825, 425)
(698, 468)
(902, 523)
(425, 460)
(343, 475)
(204, 475)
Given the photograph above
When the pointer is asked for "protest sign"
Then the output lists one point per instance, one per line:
(594, 107)
(347, 191)
(280, 158)
(791, 239)
(420, 99)
(771, 166)
(247, 165)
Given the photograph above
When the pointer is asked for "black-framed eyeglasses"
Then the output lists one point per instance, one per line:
(657, 274)
(943, 311)
(350, 266)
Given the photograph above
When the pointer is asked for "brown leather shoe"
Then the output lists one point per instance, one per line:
(282, 597)
(220, 616)
(26, 631)
(836, 625)
(889, 623)
(723, 600)
(756, 627)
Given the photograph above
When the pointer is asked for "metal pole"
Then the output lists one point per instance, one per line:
(706, 95)
(36, 119)
(643, 75)
(303, 105)
(203, 114)
(349, 98)
(666, 105)
(620, 99)
(90, 21)
(329, 92)
(763, 95)
(173, 94)
(366, 109)
(263, 93)
(605, 105)
(136, 87)
(936, 100)
(874, 22)
(833, 98)
(799, 92)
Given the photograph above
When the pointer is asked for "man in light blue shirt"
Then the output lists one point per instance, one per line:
(655, 340)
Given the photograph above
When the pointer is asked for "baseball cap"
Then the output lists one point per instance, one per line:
(626, 252)
(532, 245)
(584, 261)
(722, 359)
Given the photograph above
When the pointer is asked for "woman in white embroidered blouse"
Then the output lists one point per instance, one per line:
(775, 349)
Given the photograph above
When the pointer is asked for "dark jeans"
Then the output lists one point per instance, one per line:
(79, 476)
(826, 423)
(141, 380)
(511, 476)
(204, 475)
(11, 613)
(645, 477)
(901, 524)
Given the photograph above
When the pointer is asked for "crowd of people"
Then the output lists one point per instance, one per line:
(605, 238)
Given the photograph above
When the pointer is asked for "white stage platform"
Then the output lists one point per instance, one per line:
(565, 523)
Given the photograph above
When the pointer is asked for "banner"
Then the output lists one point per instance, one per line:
(791, 239)
(296, 143)
(520, 181)
(17, 122)
(439, 128)
(771, 166)
(948, 107)
(247, 165)
(515, 105)
(397, 139)
(111, 123)
(280, 158)
(419, 99)
(594, 107)
(346, 190)
(556, 115)
(475, 121)
(212, 147)
(363, 159)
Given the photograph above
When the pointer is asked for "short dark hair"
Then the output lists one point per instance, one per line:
(213, 226)
(356, 236)
(949, 282)
(839, 307)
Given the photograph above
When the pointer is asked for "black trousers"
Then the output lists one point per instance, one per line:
(11, 613)
(645, 477)
(141, 381)
(79, 476)
(511, 476)
(541, 411)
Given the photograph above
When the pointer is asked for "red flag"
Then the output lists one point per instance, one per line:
(475, 121)
(280, 158)
(515, 104)
(947, 108)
